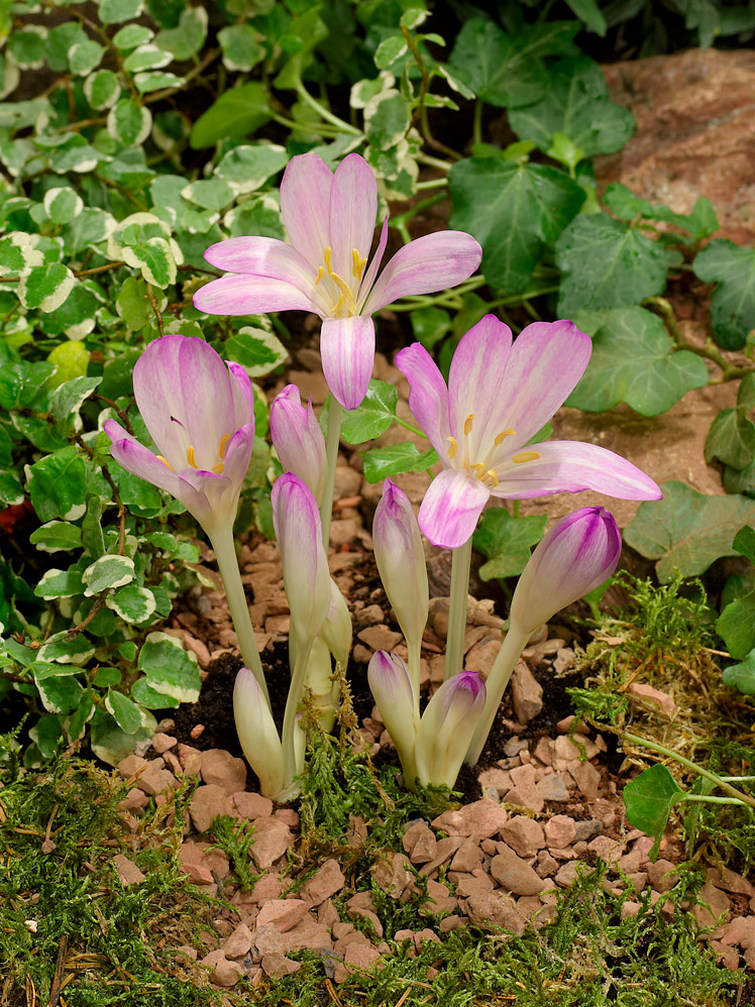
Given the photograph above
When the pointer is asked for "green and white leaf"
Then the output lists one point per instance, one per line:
(59, 583)
(129, 122)
(107, 572)
(258, 351)
(76, 651)
(115, 11)
(62, 204)
(46, 287)
(241, 48)
(147, 57)
(60, 695)
(183, 41)
(127, 714)
(85, 56)
(132, 603)
(56, 536)
(156, 80)
(248, 167)
(169, 668)
(18, 252)
(57, 484)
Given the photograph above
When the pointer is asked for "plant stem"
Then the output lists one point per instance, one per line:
(719, 781)
(495, 684)
(335, 415)
(661, 307)
(288, 737)
(325, 113)
(221, 540)
(477, 123)
(710, 800)
(461, 560)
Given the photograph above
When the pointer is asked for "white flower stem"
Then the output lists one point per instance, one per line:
(300, 660)
(221, 540)
(495, 685)
(414, 649)
(335, 415)
(461, 560)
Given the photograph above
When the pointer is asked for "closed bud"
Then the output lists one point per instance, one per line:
(298, 440)
(258, 734)
(393, 694)
(447, 728)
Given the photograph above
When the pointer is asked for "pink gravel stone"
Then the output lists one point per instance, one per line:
(716, 905)
(275, 965)
(661, 875)
(482, 819)
(224, 770)
(239, 942)
(527, 795)
(130, 766)
(155, 779)
(392, 874)
(587, 778)
(226, 974)
(162, 742)
(514, 874)
(248, 805)
(128, 872)
(467, 857)
(283, 914)
(523, 835)
(527, 694)
(206, 804)
(268, 887)
(660, 699)
(271, 840)
(560, 831)
(326, 882)
(497, 909)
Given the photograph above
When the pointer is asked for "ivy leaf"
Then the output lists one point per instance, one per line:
(732, 304)
(186, 39)
(236, 113)
(59, 584)
(649, 799)
(57, 485)
(248, 167)
(687, 530)
(114, 11)
(241, 48)
(127, 714)
(129, 122)
(381, 463)
(373, 416)
(744, 542)
(731, 439)
(102, 89)
(576, 103)
(69, 397)
(132, 603)
(736, 626)
(741, 676)
(107, 572)
(514, 211)
(607, 264)
(507, 541)
(624, 204)
(46, 287)
(169, 668)
(634, 360)
(56, 536)
(259, 351)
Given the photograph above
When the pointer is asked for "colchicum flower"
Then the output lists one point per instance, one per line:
(298, 439)
(326, 267)
(447, 728)
(199, 411)
(498, 397)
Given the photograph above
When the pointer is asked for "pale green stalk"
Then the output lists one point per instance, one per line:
(495, 685)
(298, 671)
(461, 560)
(335, 415)
(221, 540)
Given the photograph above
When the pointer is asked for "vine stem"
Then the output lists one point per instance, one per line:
(335, 415)
(661, 307)
(461, 561)
(325, 113)
(719, 781)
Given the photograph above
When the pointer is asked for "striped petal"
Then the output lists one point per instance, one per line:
(475, 384)
(453, 503)
(347, 348)
(305, 205)
(428, 395)
(353, 211)
(236, 294)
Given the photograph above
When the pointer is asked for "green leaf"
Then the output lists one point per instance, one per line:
(27, 46)
(741, 676)
(607, 264)
(210, 193)
(623, 203)
(732, 303)
(186, 39)
(132, 603)
(241, 50)
(514, 211)
(107, 572)
(131, 36)
(127, 714)
(373, 416)
(576, 103)
(46, 287)
(150, 698)
(135, 492)
(147, 57)
(59, 584)
(590, 14)
(156, 80)
(68, 397)
(110, 743)
(687, 530)
(169, 668)
(56, 536)
(248, 167)
(635, 361)
(507, 541)
(387, 119)
(744, 542)
(57, 485)
(260, 352)
(62, 204)
(381, 463)
(60, 695)
(430, 325)
(736, 626)
(129, 122)
(155, 259)
(132, 303)
(76, 651)
(236, 113)
(649, 799)
(85, 56)
(115, 11)
(731, 439)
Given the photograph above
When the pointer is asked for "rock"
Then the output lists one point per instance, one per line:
(523, 835)
(729, 880)
(560, 831)
(483, 819)
(226, 974)
(362, 905)
(363, 956)
(527, 693)
(740, 931)
(380, 638)
(155, 778)
(661, 699)
(130, 766)
(224, 770)
(326, 882)
(587, 778)
(661, 875)
(716, 904)
(552, 788)
(128, 872)
(467, 857)
(271, 840)
(206, 804)
(587, 829)
(275, 965)
(498, 909)
(419, 842)
(162, 742)
(283, 914)
(469, 885)
(609, 850)
(392, 874)
(481, 657)
(498, 778)
(248, 805)
(439, 900)
(444, 849)
(309, 934)
(239, 942)
(526, 795)
(567, 874)
(268, 887)
(514, 874)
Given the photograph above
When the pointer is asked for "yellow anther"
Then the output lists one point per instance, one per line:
(166, 462)
(526, 456)
(190, 456)
(339, 304)
(223, 445)
(454, 447)
(327, 254)
(490, 474)
(468, 424)
(478, 466)
(320, 275)
(357, 264)
(342, 286)
(502, 436)
(218, 469)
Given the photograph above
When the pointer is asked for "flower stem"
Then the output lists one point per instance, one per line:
(461, 560)
(298, 669)
(222, 542)
(495, 685)
(325, 113)
(335, 415)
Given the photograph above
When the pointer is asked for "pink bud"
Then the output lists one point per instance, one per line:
(447, 728)
(298, 439)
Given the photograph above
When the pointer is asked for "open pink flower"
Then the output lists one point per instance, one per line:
(498, 396)
(200, 413)
(326, 267)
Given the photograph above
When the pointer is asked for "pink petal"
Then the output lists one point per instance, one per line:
(243, 394)
(353, 211)
(141, 462)
(238, 455)
(236, 294)
(572, 466)
(475, 385)
(546, 362)
(305, 205)
(432, 262)
(347, 348)
(453, 503)
(428, 395)
(257, 256)
(372, 270)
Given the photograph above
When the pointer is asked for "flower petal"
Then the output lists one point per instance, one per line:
(453, 503)
(432, 262)
(238, 455)
(353, 211)
(428, 395)
(474, 384)
(236, 294)
(141, 462)
(347, 348)
(268, 257)
(572, 466)
(546, 362)
(372, 270)
(243, 394)
(305, 205)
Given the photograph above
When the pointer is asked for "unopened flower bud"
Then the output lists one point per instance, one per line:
(393, 694)
(447, 728)
(258, 734)
(298, 439)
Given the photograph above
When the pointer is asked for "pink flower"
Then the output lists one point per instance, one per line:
(199, 411)
(326, 267)
(298, 439)
(498, 397)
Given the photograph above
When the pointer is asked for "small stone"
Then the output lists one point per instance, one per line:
(130, 766)
(190, 758)
(392, 874)
(661, 699)
(527, 795)
(444, 849)
(514, 746)
(587, 829)
(439, 899)
(134, 800)
(326, 882)
(567, 874)
(527, 694)
(155, 778)
(128, 872)
(544, 750)
(740, 931)
(380, 638)
(728, 957)
(661, 875)
(497, 909)
(552, 788)
(560, 831)
(500, 779)
(224, 770)
(467, 857)
(587, 778)
(482, 819)
(607, 849)
(327, 914)
(206, 804)
(415, 833)
(226, 974)
(730, 881)
(239, 942)
(248, 805)
(362, 905)
(271, 840)
(564, 726)
(523, 835)
(523, 775)
(268, 887)
(469, 885)
(283, 914)
(716, 905)
(309, 934)
(547, 865)
(363, 956)
(513, 873)
(275, 965)
(162, 742)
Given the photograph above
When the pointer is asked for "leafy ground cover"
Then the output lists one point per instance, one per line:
(133, 136)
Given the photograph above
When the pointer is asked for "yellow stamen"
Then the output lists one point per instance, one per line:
(468, 424)
(327, 256)
(453, 448)
(526, 456)
(190, 456)
(218, 469)
(342, 286)
(223, 445)
(339, 304)
(320, 275)
(476, 466)
(502, 436)
(166, 462)
(358, 264)
(493, 477)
